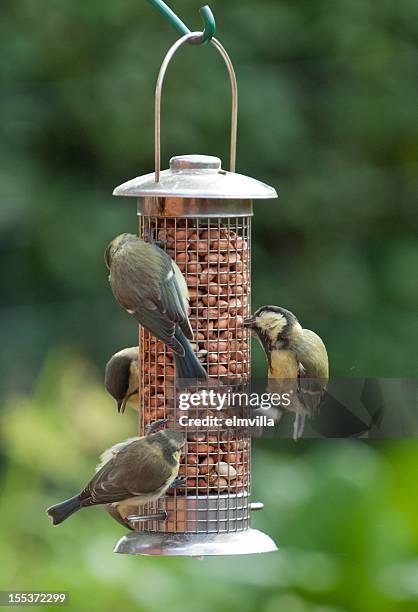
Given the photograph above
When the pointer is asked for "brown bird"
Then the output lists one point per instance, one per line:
(136, 471)
(297, 360)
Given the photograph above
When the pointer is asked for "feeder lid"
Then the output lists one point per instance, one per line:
(196, 176)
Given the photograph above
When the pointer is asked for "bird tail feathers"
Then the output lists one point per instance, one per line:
(187, 367)
(62, 511)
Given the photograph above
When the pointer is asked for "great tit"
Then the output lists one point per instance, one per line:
(297, 359)
(136, 471)
(122, 378)
(150, 286)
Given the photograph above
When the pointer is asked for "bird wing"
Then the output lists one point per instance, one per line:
(153, 295)
(111, 452)
(313, 371)
(136, 470)
(174, 302)
(311, 391)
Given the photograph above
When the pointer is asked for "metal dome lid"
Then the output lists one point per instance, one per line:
(196, 176)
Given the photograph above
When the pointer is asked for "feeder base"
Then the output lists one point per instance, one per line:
(157, 544)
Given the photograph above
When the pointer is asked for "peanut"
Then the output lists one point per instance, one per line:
(196, 437)
(215, 289)
(235, 368)
(222, 245)
(194, 268)
(207, 276)
(209, 300)
(214, 258)
(201, 448)
(223, 278)
(218, 370)
(188, 470)
(192, 459)
(210, 313)
(207, 465)
(217, 482)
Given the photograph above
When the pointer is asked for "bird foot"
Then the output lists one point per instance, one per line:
(153, 427)
(180, 481)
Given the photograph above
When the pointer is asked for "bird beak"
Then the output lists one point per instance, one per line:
(107, 255)
(249, 323)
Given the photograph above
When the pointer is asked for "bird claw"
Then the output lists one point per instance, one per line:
(153, 427)
(153, 238)
(160, 243)
(180, 481)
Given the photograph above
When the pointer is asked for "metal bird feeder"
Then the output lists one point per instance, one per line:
(201, 215)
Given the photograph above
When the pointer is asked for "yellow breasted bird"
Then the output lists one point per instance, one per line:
(150, 286)
(122, 378)
(136, 471)
(295, 356)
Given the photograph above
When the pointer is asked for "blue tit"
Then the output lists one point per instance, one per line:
(150, 286)
(297, 359)
(122, 378)
(133, 472)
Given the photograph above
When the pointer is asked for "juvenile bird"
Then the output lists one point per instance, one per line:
(297, 360)
(131, 507)
(150, 286)
(136, 471)
(122, 377)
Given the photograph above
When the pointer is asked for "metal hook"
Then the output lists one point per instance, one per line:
(206, 14)
(157, 109)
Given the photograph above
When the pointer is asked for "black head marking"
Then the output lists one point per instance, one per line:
(117, 376)
(118, 373)
(269, 337)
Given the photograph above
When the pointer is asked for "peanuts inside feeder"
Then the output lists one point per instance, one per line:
(201, 216)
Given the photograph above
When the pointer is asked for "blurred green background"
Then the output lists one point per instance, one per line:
(328, 115)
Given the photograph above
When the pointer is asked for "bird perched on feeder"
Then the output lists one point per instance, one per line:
(136, 471)
(150, 286)
(131, 507)
(297, 360)
(122, 377)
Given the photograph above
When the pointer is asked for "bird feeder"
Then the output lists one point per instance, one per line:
(200, 215)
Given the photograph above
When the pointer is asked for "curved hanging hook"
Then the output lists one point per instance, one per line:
(209, 30)
(158, 89)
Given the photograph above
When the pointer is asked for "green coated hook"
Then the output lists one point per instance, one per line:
(205, 12)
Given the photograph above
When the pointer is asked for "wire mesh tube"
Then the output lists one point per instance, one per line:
(214, 256)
